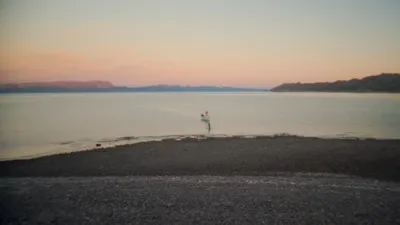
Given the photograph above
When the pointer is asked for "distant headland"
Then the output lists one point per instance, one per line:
(385, 82)
(105, 86)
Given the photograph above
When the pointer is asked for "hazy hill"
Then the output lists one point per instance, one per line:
(60, 84)
(104, 86)
(178, 88)
(385, 82)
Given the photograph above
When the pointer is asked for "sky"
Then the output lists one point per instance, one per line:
(247, 43)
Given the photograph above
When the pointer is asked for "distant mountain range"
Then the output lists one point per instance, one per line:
(385, 82)
(104, 86)
(60, 84)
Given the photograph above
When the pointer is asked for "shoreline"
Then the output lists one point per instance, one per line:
(64, 148)
(222, 156)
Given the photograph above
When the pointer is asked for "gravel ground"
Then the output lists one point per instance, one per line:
(263, 180)
(303, 199)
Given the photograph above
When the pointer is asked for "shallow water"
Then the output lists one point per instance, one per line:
(40, 124)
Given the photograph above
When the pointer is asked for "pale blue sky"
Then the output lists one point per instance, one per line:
(237, 42)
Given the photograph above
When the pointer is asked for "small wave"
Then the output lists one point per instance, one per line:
(66, 142)
(110, 140)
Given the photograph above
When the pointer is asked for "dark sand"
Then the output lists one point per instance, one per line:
(377, 159)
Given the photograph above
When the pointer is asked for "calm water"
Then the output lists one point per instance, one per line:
(37, 124)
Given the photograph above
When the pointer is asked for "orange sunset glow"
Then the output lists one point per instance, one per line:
(236, 43)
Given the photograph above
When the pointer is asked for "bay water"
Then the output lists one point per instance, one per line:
(41, 124)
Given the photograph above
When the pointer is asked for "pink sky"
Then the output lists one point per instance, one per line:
(166, 46)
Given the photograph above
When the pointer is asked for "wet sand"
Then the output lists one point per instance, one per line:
(376, 159)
